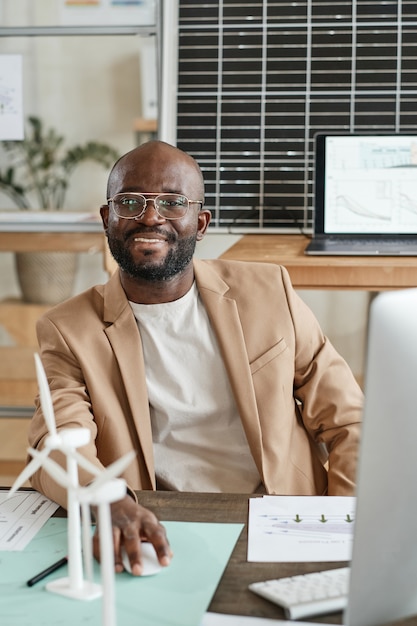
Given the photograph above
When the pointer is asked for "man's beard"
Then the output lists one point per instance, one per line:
(174, 263)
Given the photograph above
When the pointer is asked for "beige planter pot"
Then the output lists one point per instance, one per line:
(46, 277)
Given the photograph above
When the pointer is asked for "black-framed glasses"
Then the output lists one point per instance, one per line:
(132, 205)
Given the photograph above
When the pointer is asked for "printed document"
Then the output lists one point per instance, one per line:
(22, 516)
(301, 528)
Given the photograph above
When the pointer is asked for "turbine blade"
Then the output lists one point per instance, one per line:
(55, 471)
(45, 396)
(29, 470)
(84, 463)
(113, 470)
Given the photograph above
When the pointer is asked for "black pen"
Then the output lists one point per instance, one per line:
(47, 571)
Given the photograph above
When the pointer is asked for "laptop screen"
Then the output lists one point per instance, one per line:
(366, 184)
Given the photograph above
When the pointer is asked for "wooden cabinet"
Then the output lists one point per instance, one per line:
(17, 372)
(18, 386)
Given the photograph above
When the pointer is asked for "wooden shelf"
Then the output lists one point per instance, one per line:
(92, 242)
(143, 125)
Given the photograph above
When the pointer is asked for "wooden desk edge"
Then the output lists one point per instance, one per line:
(325, 272)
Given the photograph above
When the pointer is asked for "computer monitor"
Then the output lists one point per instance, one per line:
(383, 585)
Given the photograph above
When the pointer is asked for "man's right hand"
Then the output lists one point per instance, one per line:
(132, 524)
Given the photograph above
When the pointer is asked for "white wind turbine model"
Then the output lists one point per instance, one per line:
(103, 490)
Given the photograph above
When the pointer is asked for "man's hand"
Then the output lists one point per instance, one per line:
(132, 523)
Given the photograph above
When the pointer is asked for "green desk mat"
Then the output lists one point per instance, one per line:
(178, 596)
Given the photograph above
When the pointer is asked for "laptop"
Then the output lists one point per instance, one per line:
(383, 576)
(365, 195)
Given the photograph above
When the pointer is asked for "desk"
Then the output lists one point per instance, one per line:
(232, 595)
(325, 272)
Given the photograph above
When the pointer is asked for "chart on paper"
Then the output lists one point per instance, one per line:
(21, 516)
(301, 528)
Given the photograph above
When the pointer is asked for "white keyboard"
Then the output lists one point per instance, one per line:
(309, 594)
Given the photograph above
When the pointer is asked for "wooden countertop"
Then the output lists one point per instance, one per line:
(325, 272)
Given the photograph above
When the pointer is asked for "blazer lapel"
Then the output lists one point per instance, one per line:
(124, 338)
(224, 318)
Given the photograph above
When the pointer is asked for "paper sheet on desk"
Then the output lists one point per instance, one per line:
(22, 516)
(301, 528)
(177, 596)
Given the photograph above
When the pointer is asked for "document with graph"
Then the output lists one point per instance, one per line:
(22, 516)
(301, 528)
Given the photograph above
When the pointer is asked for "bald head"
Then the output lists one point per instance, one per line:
(157, 166)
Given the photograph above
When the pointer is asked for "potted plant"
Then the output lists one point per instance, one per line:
(37, 178)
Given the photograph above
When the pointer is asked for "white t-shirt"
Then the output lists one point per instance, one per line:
(199, 442)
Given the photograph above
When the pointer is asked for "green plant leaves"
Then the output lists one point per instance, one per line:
(41, 167)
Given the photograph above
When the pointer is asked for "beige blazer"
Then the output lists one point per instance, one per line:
(294, 393)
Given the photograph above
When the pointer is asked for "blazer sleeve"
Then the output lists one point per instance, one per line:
(72, 408)
(331, 401)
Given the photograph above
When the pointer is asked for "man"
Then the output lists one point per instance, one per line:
(215, 373)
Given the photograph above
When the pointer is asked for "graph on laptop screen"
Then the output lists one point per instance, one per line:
(370, 184)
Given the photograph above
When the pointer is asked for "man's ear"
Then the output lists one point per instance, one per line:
(204, 218)
(104, 212)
